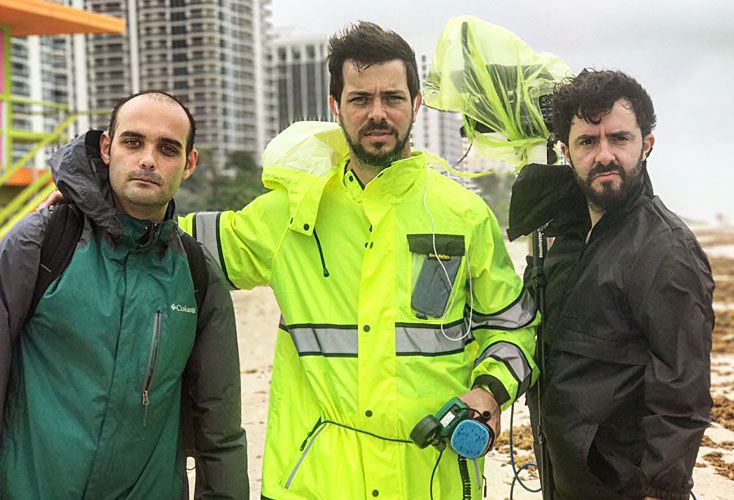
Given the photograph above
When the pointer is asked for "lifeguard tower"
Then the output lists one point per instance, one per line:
(23, 183)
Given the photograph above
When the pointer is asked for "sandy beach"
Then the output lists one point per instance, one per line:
(257, 317)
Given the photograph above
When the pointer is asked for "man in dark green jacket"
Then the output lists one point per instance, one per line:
(91, 381)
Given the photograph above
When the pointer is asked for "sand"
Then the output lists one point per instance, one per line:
(257, 318)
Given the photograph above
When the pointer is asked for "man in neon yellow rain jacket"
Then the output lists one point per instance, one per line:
(356, 239)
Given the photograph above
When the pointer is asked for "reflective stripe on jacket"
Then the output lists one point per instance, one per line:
(365, 349)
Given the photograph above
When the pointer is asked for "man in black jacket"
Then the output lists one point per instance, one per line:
(627, 332)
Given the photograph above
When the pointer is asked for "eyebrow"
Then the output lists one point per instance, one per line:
(368, 93)
(617, 133)
(165, 140)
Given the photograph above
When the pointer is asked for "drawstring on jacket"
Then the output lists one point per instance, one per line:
(321, 254)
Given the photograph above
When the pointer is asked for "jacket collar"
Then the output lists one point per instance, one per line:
(642, 193)
(391, 184)
(142, 234)
(308, 156)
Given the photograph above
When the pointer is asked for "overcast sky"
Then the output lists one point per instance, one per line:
(682, 51)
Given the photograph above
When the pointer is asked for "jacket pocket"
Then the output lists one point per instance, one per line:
(305, 450)
(436, 262)
(155, 345)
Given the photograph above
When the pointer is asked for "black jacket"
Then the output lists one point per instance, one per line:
(627, 337)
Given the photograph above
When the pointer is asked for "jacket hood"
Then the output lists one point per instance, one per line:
(302, 160)
(83, 178)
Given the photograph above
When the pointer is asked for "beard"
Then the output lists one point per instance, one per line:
(609, 196)
(381, 160)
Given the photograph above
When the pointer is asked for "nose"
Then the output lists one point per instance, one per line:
(147, 159)
(604, 154)
(377, 111)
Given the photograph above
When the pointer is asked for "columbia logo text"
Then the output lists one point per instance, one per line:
(183, 309)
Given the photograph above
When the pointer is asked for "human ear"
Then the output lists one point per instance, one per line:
(105, 143)
(647, 143)
(417, 104)
(190, 166)
(334, 107)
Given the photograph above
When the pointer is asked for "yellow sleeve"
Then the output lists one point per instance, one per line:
(503, 318)
(245, 242)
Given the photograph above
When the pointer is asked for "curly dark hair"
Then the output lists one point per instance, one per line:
(592, 94)
(366, 44)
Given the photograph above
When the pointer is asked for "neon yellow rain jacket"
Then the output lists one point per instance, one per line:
(360, 356)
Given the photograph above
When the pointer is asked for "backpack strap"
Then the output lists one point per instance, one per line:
(200, 276)
(63, 231)
(198, 268)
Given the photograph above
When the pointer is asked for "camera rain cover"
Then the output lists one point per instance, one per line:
(499, 84)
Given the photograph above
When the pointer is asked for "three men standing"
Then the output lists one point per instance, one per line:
(396, 294)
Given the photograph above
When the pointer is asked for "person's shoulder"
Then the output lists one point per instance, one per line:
(31, 229)
(272, 202)
(452, 192)
(664, 227)
(663, 236)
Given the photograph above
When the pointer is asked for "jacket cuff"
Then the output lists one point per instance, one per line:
(494, 386)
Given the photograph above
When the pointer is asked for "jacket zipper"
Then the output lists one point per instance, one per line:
(321, 426)
(152, 360)
(321, 254)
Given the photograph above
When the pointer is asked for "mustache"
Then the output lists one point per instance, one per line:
(600, 169)
(372, 125)
(143, 175)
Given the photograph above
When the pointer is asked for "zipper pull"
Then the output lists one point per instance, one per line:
(308, 436)
(146, 402)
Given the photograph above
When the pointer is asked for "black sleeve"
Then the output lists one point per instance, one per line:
(673, 307)
(213, 380)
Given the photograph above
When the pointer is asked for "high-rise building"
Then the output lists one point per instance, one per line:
(437, 131)
(301, 76)
(212, 54)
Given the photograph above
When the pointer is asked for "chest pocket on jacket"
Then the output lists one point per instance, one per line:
(436, 262)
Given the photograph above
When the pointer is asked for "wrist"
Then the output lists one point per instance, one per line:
(494, 406)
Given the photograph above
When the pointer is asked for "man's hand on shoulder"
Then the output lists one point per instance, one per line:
(54, 198)
(482, 400)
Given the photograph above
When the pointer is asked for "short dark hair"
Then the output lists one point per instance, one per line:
(592, 94)
(160, 94)
(366, 44)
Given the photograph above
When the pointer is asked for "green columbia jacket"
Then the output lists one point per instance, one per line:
(360, 356)
(92, 381)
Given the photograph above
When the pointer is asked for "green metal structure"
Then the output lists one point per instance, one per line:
(23, 182)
